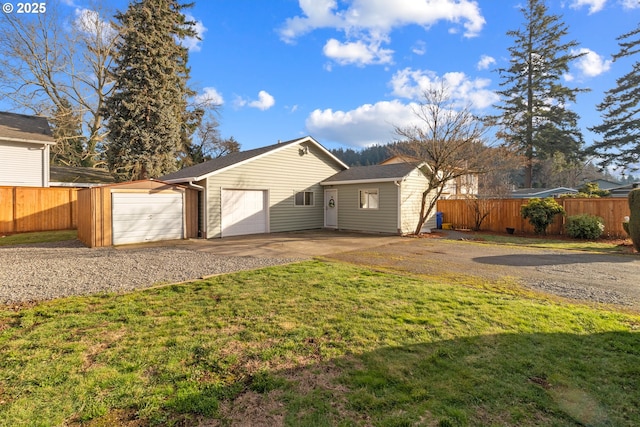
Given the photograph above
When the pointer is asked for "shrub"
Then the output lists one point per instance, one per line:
(540, 213)
(584, 226)
(634, 218)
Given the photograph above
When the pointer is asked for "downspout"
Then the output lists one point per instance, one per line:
(398, 184)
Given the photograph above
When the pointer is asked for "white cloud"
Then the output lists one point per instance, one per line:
(631, 4)
(367, 24)
(420, 48)
(594, 5)
(358, 53)
(463, 91)
(209, 97)
(90, 22)
(591, 64)
(366, 125)
(485, 62)
(264, 101)
(194, 44)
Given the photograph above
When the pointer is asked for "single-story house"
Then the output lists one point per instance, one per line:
(541, 193)
(379, 198)
(605, 184)
(299, 185)
(623, 190)
(25, 143)
(265, 190)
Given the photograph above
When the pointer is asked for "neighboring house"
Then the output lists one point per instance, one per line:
(623, 190)
(605, 184)
(541, 193)
(264, 190)
(380, 198)
(25, 142)
(460, 187)
(77, 177)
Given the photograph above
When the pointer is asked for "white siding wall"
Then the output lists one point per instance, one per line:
(282, 174)
(24, 164)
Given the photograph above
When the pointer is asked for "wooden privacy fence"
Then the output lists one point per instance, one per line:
(25, 209)
(505, 213)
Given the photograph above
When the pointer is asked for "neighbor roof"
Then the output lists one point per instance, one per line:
(202, 170)
(540, 192)
(373, 173)
(24, 128)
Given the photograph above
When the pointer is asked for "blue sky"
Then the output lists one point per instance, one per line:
(346, 71)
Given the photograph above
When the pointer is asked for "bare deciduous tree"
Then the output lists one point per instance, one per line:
(50, 62)
(447, 144)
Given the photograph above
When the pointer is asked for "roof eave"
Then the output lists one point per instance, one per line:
(363, 181)
(28, 141)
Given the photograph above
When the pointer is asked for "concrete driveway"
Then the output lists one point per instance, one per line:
(299, 244)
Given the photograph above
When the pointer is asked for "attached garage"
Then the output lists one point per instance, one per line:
(244, 212)
(137, 212)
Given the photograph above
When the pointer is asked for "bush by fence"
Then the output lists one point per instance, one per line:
(24, 209)
(503, 213)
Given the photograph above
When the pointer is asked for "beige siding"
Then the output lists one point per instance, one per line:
(282, 174)
(411, 197)
(381, 220)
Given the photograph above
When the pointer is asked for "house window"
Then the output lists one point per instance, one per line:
(303, 198)
(369, 199)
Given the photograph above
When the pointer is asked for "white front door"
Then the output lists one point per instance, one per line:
(331, 208)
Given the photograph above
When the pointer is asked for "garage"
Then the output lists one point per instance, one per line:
(244, 212)
(137, 212)
(146, 217)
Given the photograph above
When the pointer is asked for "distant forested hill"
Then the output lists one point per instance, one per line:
(365, 157)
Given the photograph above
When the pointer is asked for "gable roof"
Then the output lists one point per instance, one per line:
(373, 173)
(211, 167)
(23, 128)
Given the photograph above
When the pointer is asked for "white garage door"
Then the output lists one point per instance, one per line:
(143, 217)
(244, 212)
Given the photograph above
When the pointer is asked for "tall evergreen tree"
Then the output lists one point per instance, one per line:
(535, 118)
(620, 112)
(149, 121)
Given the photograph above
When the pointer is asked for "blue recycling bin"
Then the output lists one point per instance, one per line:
(439, 216)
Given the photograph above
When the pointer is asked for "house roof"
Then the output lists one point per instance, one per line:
(211, 167)
(374, 173)
(67, 176)
(541, 192)
(24, 128)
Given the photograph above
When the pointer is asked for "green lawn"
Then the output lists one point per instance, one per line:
(601, 246)
(319, 344)
(38, 237)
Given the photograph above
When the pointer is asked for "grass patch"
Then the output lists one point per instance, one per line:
(550, 243)
(38, 237)
(318, 343)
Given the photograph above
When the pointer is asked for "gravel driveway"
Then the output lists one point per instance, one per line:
(47, 271)
(586, 276)
(52, 270)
